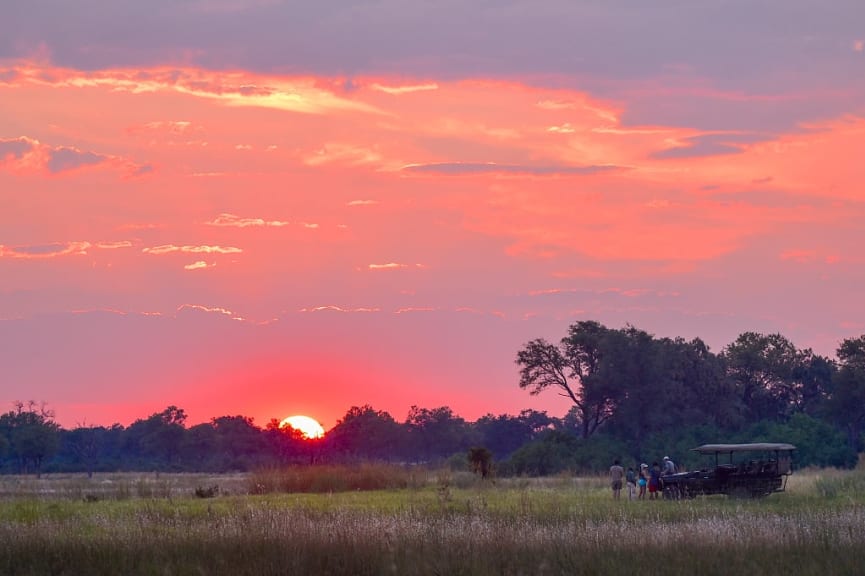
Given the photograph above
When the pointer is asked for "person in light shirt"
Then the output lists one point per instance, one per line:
(616, 475)
(669, 467)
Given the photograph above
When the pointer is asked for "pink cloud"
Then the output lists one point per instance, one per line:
(44, 251)
(199, 265)
(171, 248)
(238, 222)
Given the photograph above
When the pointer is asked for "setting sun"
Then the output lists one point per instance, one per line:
(308, 426)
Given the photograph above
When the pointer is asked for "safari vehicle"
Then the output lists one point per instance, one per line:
(739, 470)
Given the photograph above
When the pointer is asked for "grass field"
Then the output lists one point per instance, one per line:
(421, 522)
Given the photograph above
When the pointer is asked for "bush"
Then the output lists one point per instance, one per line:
(817, 443)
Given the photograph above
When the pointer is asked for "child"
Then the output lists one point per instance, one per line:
(643, 481)
(631, 480)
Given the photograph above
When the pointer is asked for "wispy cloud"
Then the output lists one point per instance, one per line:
(303, 95)
(171, 248)
(43, 251)
(232, 220)
(396, 90)
(332, 308)
(30, 155)
(361, 203)
(114, 245)
(411, 309)
(209, 310)
(708, 145)
(199, 265)
(394, 266)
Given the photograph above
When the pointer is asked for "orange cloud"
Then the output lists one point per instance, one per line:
(551, 173)
(199, 265)
(238, 222)
(171, 248)
(396, 90)
(42, 252)
(393, 266)
(27, 155)
(331, 308)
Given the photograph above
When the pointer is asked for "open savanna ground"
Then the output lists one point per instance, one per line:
(418, 522)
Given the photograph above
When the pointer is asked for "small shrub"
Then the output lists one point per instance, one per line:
(208, 492)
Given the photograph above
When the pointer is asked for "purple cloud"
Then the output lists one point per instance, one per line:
(62, 159)
(710, 145)
(15, 148)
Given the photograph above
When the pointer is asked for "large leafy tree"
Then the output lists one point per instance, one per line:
(436, 433)
(704, 394)
(580, 368)
(662, 384)
(847, 403)
(240, 443)
(366, 433)
(158, 439)
(86, 443)
(287, 444)
(762, 369)
(813, 381)
(503, 434)
(31, 435)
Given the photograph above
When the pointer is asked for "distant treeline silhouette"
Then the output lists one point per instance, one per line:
(633, 396)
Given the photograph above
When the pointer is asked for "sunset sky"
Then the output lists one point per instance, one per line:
(271, 207)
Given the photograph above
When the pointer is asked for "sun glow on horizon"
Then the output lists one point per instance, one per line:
(308, 426)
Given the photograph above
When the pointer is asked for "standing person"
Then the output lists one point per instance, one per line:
(616, 474)
(631, 480)
(643, 481)
(669, 467)
(654, 481)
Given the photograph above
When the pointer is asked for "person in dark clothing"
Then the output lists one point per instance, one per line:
(654, 481)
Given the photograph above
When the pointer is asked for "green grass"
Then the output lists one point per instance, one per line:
(440, 523)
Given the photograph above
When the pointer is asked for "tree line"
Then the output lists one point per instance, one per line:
(632, 396)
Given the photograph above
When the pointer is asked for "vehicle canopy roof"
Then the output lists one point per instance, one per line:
(759, 446)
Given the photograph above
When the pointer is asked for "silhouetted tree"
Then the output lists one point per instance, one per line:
(30, 434)
(436, 433)
(762, 369)
(157, 439)
(579, 367)
(366, 433)
(847, 403)
(240, 444)
(503, 434)
(85, 441)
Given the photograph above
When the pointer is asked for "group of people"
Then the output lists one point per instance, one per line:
(649, 480)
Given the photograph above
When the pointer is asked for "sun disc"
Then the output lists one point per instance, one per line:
(309, 427)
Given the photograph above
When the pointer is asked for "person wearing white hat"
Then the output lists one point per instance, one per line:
(669, 466)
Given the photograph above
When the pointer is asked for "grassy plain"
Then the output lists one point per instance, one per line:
(420, 522)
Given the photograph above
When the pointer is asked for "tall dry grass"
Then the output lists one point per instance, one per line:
(445, 524)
